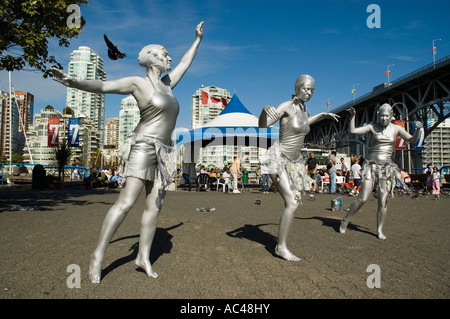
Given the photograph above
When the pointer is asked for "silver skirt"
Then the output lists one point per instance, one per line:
(142, 161)
(149, 159)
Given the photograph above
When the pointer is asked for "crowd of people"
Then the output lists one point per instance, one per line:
(319, 176)
(231, 173)
(108, 176)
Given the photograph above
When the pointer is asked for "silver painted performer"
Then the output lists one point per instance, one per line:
(147, 165)
(378, 168)
(284, 159)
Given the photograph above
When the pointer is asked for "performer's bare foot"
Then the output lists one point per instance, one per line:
(343, 227)
(95, 269)
(381, 235)
(285, 254)
(146, 266)
(344, 224)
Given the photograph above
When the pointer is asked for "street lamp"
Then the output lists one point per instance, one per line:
(407, 129)
(388, 73)
(329, 104)
(354, 92)
(433, 50)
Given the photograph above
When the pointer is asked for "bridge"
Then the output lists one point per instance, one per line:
(420, 95)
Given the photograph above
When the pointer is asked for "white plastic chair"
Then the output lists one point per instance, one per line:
(340, 180)
(324, 180)
(223, 182)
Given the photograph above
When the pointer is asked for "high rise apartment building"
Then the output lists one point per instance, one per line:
(207, 103)
(26, 102)
(11, 140)
(129, 117)
(437, 146)
(85, 64)
(111, 133)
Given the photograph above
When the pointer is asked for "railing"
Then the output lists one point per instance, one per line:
(51, 170)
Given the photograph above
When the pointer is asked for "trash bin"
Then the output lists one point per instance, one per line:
(37, 180)
(244, 177)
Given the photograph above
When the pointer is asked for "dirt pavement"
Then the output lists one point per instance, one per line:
(224, 254)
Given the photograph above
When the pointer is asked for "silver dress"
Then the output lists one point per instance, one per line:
(148, 150)
(379, 164)
(286, 155)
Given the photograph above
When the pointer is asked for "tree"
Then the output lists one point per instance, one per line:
(17, 158)
(61, 155)
(27, 25)
(96, 158)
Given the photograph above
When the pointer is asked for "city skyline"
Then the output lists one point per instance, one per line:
(87, 64)
(257, 49)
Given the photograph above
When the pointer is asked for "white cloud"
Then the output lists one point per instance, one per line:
(404, 58)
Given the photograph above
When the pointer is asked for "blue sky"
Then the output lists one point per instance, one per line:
(257, 49)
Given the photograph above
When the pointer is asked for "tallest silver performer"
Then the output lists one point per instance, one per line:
(148, 163)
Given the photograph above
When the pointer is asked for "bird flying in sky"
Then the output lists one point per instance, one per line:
(113, 52)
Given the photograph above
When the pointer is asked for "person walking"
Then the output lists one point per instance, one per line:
(356, 173)
(235, 171)
(311, 167)
(436, 176)
(331, 167)
(265, 180)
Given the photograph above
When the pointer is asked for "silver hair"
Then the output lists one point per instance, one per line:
(148, 54)
(302, 79)
(386, 106)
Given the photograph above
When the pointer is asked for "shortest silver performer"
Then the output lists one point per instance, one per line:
(378, 169)
(284, 160)
(148, 163)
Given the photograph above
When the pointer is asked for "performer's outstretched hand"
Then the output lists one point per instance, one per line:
(351, 110)
(199, 30)
(61, 77)
(332, 116)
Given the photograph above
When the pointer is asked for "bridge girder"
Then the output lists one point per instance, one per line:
(419, 95)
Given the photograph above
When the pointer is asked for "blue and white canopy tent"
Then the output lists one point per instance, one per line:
(235, 125)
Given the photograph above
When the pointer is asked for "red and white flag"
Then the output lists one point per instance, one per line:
(213, 100)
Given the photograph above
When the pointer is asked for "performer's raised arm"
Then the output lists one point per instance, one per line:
(408, 137)
(175, 76)
(269, 115)
(357, 130)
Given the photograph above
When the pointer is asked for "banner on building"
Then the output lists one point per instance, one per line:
(74, 135)
(53, 131)
(419, 145)
(400, 144)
